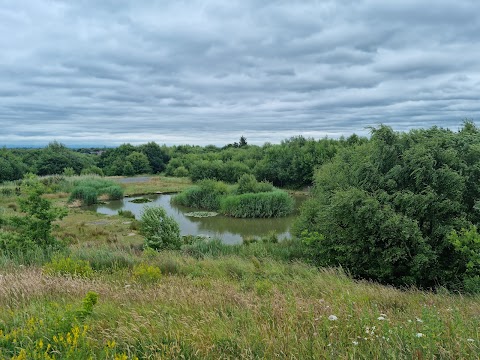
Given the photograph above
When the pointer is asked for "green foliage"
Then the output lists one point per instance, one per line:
(146, 274)
(160, 230)
(467, 243)
(87, 194)
(205, 195)
(180, 171)
(257, 205)
(69, 171)
(34, 227)
(126, 214)
(11, 167)
(156, 155)
(385, 209)
(247, 183)
(139, 162)
(114, 192)
(92, 170)
(56, 157)
(215, 195)
(89, 189)
(61, 265)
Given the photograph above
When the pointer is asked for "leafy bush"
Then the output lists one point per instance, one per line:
(34, 229)
(467, 243)
(160, 230)
(67, 266)
(181, 171)
(385, 210)
(69, 171)
(146, 274)
(257, 205)
(248, 184)
(92, 170)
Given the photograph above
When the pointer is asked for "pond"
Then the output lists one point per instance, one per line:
(230, 230)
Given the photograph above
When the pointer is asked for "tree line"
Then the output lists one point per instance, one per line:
(288, 164)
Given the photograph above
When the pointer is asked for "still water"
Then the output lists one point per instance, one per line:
(230, 230)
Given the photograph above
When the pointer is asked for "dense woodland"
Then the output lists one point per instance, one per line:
(289, 164)
(399, 208)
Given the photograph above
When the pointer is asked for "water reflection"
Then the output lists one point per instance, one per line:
(230, 230)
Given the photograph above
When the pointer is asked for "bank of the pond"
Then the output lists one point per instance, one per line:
(230, 230)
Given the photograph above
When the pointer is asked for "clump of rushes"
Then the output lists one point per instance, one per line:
(87, 190)
(248, 199)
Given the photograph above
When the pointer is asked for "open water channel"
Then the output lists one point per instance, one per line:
(230, 230)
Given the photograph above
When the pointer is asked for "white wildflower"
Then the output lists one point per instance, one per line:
(355, 342)
(419, 320)
(332, 318)
(419, 335)
(381, 318)
(470, 340)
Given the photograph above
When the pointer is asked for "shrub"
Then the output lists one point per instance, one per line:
(248, 184)
(69, 171)
(67, 266)
(146, 274)
(259, 205)
(181, 171)
(92, 170)
(160, 231)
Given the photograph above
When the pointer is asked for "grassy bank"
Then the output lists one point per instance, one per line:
(230, 307)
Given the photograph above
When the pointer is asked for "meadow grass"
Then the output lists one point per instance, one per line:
(231, 307)
(156, 184)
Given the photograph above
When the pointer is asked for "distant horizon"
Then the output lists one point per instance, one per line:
(91, 144)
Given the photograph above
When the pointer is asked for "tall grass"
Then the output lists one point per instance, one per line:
(88, 189)
(257, 205)
(205, 195)
(229, 308)
(233, 201)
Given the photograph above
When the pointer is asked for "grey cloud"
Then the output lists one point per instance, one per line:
(208, 71)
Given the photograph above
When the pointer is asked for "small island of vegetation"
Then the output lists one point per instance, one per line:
(248, 198)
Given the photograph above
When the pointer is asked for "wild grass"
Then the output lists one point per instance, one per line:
(233, 201)
(209, 300)
(257, 205)
(233, 307)
(156, 184)
(88, 190)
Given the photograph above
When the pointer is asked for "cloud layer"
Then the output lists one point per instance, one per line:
(107, 72)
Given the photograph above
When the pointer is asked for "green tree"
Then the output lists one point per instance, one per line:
(157, 157)
(34, 228)
(402, 194)
(139, 162)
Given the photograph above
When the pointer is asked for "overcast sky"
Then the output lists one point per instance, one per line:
(105, 72)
